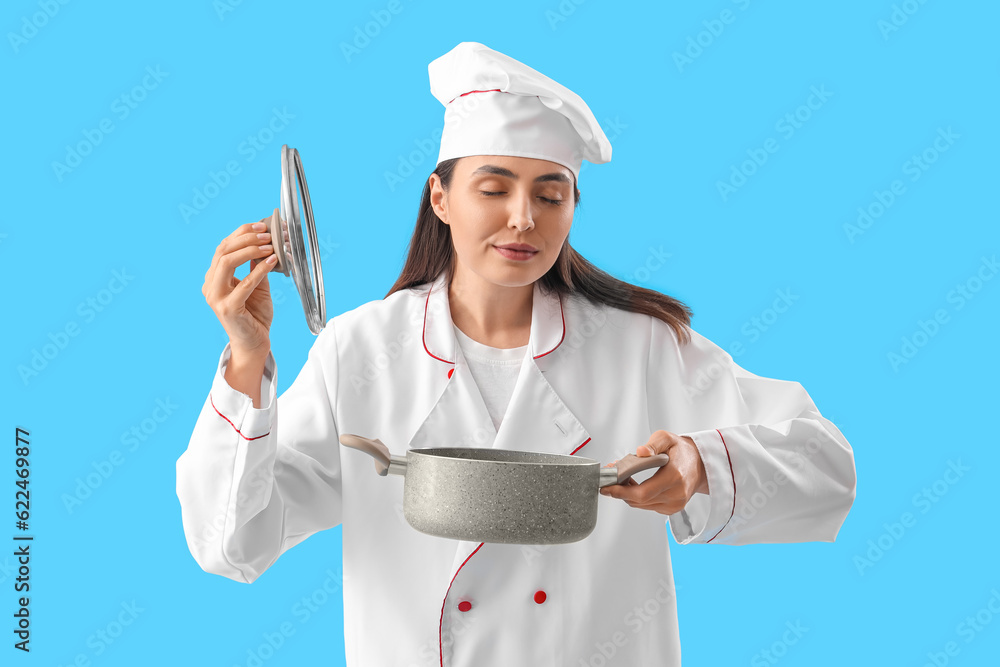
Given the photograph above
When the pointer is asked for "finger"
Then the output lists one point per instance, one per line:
(661, 508)
(222, 279)
(655, 489)
(661, 505)
(263, 284)
(659, 443)
(239, 237)
(244, 231)
(669, 506)
(667, 503)
(258, 273)
(615, 490)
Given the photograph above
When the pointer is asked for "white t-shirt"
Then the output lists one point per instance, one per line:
(495, 371)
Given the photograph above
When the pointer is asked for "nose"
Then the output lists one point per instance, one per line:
(520, 218)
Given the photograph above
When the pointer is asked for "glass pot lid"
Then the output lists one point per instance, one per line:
(293, 224)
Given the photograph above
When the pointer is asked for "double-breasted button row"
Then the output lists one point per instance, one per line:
(539, 597)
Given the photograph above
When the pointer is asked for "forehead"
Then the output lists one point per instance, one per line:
(512, 167)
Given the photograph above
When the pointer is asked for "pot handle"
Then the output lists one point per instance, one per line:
(629, 465)
(374, 448)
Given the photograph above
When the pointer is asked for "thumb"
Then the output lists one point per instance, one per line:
(262, 283)
(653, 446)
(258, 274)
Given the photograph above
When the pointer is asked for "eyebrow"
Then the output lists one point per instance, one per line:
(501, 171)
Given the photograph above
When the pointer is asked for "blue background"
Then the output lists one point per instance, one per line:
(881, 594)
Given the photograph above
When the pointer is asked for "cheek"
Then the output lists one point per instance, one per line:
(560, 230)
(473, 224)
(467, 232)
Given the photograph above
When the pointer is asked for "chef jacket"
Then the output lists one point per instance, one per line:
(494, 371)
(595, 381)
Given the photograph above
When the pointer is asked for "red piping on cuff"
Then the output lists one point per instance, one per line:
(231, 423)
(728, 458)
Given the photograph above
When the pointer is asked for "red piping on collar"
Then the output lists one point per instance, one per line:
(423, 333)
(580, 447)
(563, 315)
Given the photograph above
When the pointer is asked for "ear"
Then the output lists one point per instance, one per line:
(439, 198)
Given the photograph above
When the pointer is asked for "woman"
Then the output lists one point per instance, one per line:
(498, 334)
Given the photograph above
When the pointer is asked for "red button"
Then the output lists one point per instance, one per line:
(450, 372)
(540, 597)
(464, 605)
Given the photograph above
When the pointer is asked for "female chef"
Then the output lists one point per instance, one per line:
(498, 334)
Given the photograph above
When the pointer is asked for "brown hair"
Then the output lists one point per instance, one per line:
(431, 252)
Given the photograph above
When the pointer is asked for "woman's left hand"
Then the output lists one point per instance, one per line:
(673, 485)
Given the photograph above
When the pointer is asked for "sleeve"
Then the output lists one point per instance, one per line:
(250, 491)
(778, 471)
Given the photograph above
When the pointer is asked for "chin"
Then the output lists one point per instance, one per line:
(519, 276)
(512, 276)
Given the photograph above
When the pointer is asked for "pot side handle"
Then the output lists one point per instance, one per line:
(374, 448)
(629, 465)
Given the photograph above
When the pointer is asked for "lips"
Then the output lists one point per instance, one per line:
(519, 246)
(516, 251)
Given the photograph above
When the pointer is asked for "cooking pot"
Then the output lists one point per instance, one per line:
(500, 495)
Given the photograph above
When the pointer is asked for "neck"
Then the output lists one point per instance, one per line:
(491, 314)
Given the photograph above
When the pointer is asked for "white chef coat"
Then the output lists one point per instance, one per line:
(596, 382)
(494, 370)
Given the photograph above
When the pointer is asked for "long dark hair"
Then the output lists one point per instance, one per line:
(431, 252)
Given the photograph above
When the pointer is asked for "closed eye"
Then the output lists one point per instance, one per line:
(489, 193)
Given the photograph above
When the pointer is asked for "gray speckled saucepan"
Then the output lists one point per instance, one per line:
(500, 495)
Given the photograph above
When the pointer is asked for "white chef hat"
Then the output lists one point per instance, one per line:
(495, 105)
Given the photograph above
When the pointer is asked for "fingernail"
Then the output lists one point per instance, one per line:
(272, 259)
(259, 226)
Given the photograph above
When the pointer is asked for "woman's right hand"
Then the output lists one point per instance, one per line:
(243, 306)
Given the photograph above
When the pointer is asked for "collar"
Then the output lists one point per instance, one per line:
(548, 322)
